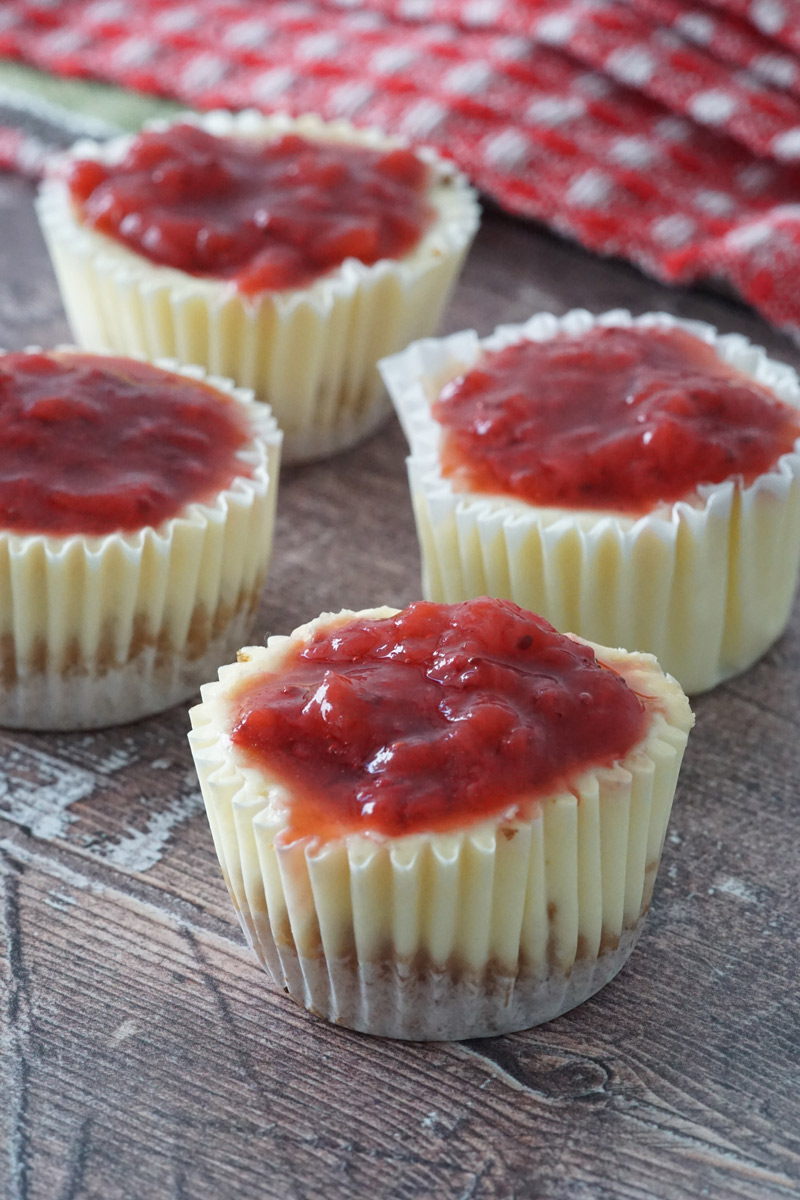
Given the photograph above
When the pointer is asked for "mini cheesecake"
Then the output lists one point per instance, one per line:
(443, 822)
(287, 254)
(634, 480)
(136, 512)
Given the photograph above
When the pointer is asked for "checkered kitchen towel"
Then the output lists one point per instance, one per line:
(663, 131)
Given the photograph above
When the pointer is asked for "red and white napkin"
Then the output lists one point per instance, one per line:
(663, 131)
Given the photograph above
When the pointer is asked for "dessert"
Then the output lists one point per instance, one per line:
(136, 512)
(439, 823)
(287, 254)
(635, 480)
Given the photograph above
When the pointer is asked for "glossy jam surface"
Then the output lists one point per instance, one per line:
(620, 419)
(432, 719)
(94, 444)
(268, 215)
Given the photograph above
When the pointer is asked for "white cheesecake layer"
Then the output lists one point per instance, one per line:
(310, 353)
(99, 630)
(550, 883)
(706, 584)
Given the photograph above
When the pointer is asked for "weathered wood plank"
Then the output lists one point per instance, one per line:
(151, 1059)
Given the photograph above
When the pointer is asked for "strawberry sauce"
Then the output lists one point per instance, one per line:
(267, 215)
(436, 718)
(94, 445)
(620, 419)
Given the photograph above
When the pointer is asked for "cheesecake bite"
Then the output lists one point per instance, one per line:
(443, 822)
(136, 510)
(634, 480)
(287, 254)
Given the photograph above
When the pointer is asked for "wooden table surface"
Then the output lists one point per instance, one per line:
(145, 1055)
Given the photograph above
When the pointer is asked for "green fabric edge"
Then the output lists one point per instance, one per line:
(115, 105)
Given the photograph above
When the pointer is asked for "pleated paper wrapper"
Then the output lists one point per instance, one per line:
(310, 353)
(98, 631)
(498, 927)
(706, 584)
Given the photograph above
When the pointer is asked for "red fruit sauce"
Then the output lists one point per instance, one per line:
(620, 419)
(268, 215)
(438, 717)
(95, 445)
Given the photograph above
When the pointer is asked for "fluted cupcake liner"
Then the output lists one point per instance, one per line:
(497, 927)
(705, 584)
(96, 631)
(310, 353)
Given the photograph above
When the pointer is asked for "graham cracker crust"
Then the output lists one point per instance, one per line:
(418, 1000)
(74, 693)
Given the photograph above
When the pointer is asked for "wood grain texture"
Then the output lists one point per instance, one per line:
(144, 1055)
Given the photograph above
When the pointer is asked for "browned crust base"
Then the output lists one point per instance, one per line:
(309, 445)
(75, 694)
(419, 1000)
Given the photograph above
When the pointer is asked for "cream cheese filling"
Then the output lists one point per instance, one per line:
(311, 353)
(705, 584)
(78, 606)
(548, 881)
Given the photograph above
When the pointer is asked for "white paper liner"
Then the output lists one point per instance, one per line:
(310, 353)
(497, 927)
(705, 584)
(394, 1000)
(97, 631)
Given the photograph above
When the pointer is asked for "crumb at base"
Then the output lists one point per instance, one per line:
(308, 445)
(418, 1000)
(96, 694)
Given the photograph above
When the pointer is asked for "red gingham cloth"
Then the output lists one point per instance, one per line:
(663, 131)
